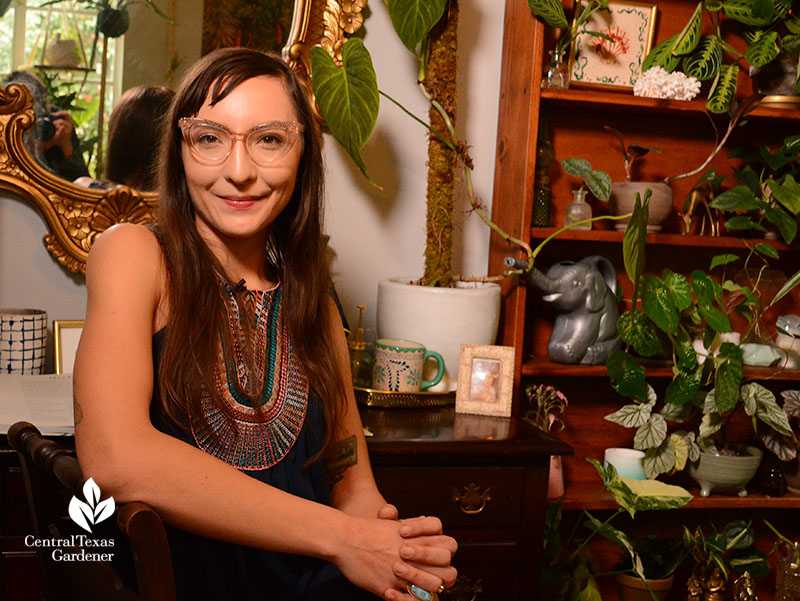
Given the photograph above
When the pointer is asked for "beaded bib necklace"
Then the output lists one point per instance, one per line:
(255, 431)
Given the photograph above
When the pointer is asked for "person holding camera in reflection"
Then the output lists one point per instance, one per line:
(54, 143)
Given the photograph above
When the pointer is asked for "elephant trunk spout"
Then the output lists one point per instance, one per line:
(541, 281)
(534, 276)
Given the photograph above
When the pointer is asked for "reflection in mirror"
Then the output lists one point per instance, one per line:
(76, 215)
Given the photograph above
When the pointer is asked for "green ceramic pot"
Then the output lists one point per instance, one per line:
(726, 472)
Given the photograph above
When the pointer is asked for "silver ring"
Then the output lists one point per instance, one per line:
(419, 593)
(441, 589)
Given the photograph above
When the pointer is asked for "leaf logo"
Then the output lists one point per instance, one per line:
(93, 511)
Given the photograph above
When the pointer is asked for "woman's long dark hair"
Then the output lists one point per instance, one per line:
(134, 130)
(295, 253)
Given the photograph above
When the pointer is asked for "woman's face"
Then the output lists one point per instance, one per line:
(238, 198)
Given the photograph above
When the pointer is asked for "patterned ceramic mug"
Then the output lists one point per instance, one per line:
(398, 366)
(23, 333)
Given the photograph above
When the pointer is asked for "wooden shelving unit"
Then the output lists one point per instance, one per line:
(686, 137)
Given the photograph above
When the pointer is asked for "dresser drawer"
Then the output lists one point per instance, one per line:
(486, 572)
(462, 497)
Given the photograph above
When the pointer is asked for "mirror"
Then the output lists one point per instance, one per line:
(74, 215)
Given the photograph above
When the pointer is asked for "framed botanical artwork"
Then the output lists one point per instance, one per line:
(617, 62)
(67, 334)
(485, 380)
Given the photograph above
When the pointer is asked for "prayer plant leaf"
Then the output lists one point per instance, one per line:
(347, 97)
(661, 56)
(723, 90)
(728, 377)
(703, 64)
(414, 19)
(688, 39)
(550, 11)
(764, 50)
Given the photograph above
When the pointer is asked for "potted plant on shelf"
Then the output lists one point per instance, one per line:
(715, 557)
(548, 405)
(690, 316)
(660, 558)
(768, 28)
(767, 193)
(623, 193)
(568, 567)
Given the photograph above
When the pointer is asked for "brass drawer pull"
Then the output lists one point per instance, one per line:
(472, 500)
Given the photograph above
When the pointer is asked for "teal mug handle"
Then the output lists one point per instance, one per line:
(439, 374)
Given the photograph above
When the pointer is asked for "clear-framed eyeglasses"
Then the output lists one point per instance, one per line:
(211, 143)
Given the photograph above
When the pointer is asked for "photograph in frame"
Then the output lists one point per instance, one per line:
(597, 62)
(67, 334)
(485, 380)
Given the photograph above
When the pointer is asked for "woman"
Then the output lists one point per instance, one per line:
(134, 130)
(223, 316)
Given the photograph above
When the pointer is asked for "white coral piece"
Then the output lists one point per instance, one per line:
(658, 83)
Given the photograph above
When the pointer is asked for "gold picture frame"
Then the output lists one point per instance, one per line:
(66, 335)
(597, 62)
(485, 380)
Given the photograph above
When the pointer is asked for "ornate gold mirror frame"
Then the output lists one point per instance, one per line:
(74, 215)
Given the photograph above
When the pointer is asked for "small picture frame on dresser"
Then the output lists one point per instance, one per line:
(485, 380)
(67, 334)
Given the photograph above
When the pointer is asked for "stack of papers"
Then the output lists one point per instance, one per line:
(45, 401)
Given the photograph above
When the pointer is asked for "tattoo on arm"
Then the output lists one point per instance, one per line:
(78, 412)
(343, 457)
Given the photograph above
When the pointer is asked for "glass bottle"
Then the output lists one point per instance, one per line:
(787, 574)
(578, 210)
(545, 155)
(557, 76)
(361, 357)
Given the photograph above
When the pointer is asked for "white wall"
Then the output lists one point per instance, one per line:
(377, 234)
(374, 233)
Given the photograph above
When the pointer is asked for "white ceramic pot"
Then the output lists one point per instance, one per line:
(440, 318)
(631, 588)
(725, 472)
(622, 199)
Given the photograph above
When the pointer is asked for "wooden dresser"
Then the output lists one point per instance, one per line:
(485, 477)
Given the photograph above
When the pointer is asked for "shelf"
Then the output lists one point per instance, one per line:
(611, 236)
(579, 494)
(542, 366)
(603, 100)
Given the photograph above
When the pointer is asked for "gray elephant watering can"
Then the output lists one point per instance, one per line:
(585, 293)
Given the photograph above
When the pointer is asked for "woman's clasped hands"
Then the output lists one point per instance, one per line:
(387, 556)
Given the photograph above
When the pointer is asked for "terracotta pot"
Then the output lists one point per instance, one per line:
(631, 588)
(622, 199)
(725, 472)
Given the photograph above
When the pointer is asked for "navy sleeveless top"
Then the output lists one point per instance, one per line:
(207, 569)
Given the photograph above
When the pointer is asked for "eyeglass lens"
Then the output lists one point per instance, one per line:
(265, 143)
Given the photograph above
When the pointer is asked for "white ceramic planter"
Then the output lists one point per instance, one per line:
(622, 199)
(440, 318)
(725, 472)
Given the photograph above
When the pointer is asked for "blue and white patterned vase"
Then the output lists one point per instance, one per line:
(23, 334)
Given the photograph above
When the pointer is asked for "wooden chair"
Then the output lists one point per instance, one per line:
(52, 476)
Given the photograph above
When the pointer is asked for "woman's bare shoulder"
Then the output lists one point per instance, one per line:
(127, 252)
